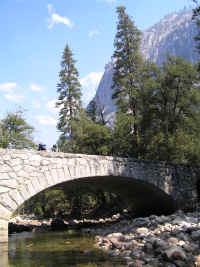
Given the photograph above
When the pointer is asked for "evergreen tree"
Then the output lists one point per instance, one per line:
(92, 111)
(69, 99)
(127, 70)
(171, 116)
(15, 131)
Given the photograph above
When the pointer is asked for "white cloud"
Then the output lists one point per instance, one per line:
(35, 87)
(46, 120)
(56, 18)
(93, 33)
(8, 87)
(89, 84)
(91, 79)
(14, 97)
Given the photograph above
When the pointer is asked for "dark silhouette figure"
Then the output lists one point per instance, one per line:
(41, 147)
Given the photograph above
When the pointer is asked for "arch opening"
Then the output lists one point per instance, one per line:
(104, 196)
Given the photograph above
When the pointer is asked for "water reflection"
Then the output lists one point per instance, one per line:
(54, 249)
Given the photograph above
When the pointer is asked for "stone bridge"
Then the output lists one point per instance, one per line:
(23, 174)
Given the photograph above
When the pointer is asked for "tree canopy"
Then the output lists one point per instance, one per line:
(15, 131)
(170, 117)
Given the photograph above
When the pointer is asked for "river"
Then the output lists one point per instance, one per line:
(69, 248)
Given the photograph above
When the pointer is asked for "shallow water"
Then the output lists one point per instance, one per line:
(51, 249)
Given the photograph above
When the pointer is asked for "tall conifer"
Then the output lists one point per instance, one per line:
(127, 70)
(69, 99)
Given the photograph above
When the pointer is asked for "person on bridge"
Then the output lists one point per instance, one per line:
(42, 147)
(55, 148)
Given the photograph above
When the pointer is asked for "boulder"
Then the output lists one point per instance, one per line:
(143, 231)
(175, 253)
(196, 235)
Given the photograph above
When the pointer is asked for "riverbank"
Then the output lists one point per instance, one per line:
(31, 223)
(27, 223)
(166, 241)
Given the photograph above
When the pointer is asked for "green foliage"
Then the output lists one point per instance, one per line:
(91, 137)
(124, 141)
(170, 115)
(16, 131)
(47, 204)
(69, 201)
(69, 97)
(92, 111)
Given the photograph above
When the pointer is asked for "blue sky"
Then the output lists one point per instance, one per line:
(33, 36)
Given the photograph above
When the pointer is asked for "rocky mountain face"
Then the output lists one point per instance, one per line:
(174, 34)
(104, 93)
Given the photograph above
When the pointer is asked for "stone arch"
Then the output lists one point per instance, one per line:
(26, 173)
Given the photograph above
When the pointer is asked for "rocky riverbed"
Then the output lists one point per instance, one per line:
(166, 241)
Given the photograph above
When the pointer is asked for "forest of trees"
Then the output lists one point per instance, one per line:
(157, 118)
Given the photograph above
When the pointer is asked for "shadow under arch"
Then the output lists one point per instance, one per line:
(198, 190)
(141, 198)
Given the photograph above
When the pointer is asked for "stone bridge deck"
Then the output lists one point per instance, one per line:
(23, 174)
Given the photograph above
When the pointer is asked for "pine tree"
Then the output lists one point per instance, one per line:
(127, 70)
(69, 99)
